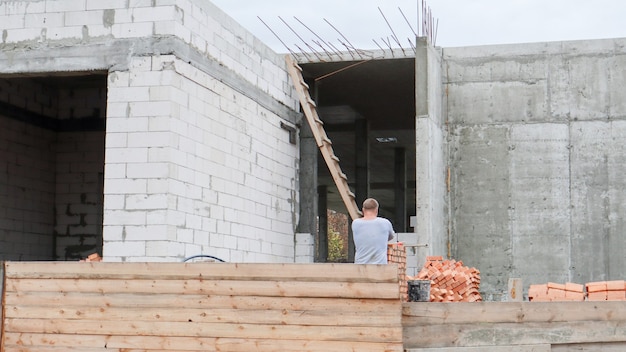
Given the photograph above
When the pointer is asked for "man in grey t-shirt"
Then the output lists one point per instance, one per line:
(371, 234)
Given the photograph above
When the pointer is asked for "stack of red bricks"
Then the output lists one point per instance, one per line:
(450, 280)
(556, 292)
(595, 291)
(396, 254)
(606, 290)
(94, 257)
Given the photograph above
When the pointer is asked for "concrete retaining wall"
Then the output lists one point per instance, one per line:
(536, 155)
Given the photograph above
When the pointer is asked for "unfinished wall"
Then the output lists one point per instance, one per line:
(536, 136)
(52, 172)
(196, 159)
(194, 167)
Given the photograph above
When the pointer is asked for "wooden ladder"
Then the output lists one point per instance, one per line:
(323, 142)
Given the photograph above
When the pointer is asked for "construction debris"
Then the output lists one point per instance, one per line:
(94, 257)
(451, 281)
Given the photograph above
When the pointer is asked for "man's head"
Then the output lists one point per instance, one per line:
(370, 205)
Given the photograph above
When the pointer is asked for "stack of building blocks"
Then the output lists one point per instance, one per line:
(396, 254)
(606, 290)
(94, 257)
(595, 291)
(556, 292)
(451, 281)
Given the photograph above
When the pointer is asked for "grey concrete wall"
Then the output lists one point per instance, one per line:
(537, 135)
(431, 204)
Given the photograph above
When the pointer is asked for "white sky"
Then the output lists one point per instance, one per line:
(460, 22)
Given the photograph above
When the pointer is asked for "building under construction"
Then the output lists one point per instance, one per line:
(157, 131)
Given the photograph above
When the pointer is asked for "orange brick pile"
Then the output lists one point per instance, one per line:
(556, 292)
(595, 291)
(450, 280)
(606, 290)
(94, 257)
(396, 254)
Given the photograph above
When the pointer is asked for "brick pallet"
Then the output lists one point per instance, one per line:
(595, 291)
(451, 281)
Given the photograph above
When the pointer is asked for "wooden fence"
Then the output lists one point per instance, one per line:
(131, 307)
(515, 326)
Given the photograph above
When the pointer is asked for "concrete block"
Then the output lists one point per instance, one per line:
(23, 34)
(146, 202)
(136, 249)
(154, 14)
(109, 4)
(128, 94)
(132, 30)
(64, 5)
(12, 22)
(47, 20)
(126, 155)
(79, 18)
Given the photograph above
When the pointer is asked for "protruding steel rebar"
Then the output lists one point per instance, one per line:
(317, 48)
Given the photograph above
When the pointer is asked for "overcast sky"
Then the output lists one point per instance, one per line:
(460, 22)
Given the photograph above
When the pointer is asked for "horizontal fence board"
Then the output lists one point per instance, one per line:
(383, 307)
(428, 313)
(212, 315)
(201, 307)
(319, 272)
(211, 287)
(489, 334)
(513, 348)
(193, 329)
(591, 347)
(40, 342)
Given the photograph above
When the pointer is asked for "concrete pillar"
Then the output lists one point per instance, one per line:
(308, 181)
(322, 248)
(362, 176)
(400, 189)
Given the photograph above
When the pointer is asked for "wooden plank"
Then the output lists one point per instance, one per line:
(489, 334)
(157, 343)
(229, 316)
(428, 313)
(206, 271)
(513, 348)
(191, 329)
(591, 347)
(211, 287)
(78, 299)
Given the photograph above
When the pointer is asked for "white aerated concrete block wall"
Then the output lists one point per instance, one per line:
(26, 191)
(199, 24)
(194, 167)
(196, 161)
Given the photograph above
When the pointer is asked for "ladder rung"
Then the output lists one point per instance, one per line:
(335, 158)
(342, 175)
(351, 194)
(327, 140)
(311, 101)
(303, 83)
(319, 122)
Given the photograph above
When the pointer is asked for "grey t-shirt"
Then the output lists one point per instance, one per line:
(370, 240)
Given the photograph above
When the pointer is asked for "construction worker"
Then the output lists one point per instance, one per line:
(371, 234)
